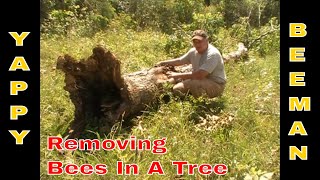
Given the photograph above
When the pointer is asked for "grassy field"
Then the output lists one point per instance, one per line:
(248, 144)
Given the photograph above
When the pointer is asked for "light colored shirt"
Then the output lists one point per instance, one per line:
(211, 61)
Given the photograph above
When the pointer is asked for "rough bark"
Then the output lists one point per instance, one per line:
(102, 95)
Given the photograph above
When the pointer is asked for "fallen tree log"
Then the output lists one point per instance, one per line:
(102, 95)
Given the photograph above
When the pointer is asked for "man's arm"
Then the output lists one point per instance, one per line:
(185, 59)
(171, 62)
(200, 74)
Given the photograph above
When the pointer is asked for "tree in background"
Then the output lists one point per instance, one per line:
(248, 21)
(258, 12)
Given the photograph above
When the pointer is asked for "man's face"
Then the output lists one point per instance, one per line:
(200, 45)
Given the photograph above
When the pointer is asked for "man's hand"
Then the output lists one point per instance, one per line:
(173, 75)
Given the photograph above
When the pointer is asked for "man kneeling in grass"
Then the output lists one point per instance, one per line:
(208, 77)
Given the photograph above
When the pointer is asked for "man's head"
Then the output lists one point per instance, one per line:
(200, 40)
